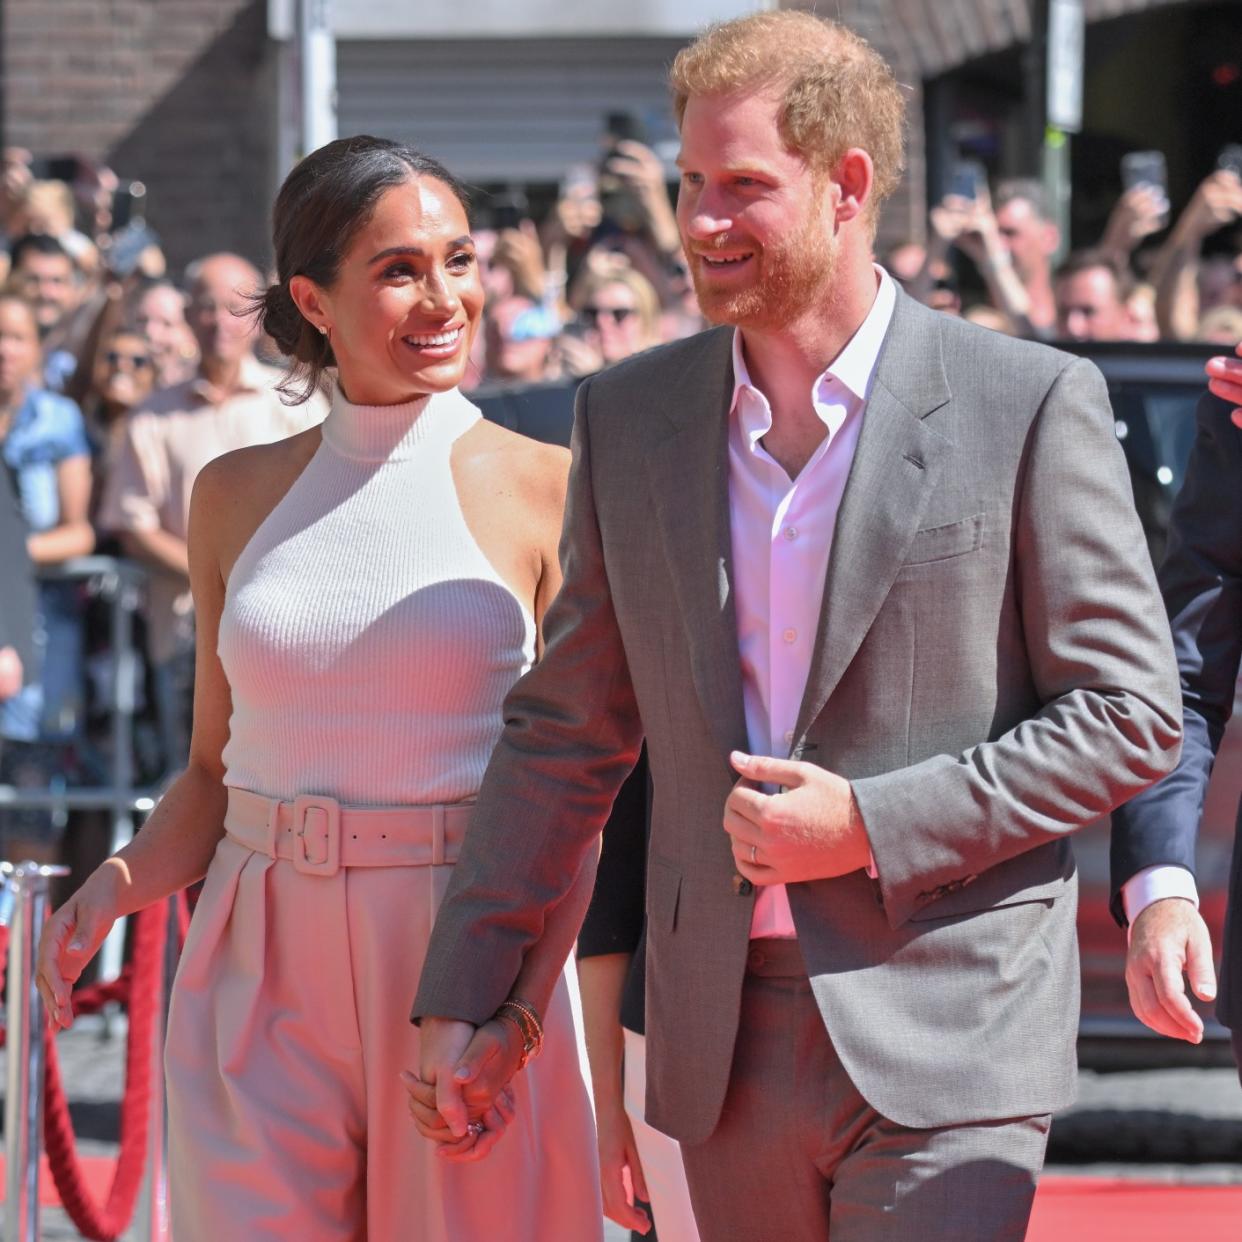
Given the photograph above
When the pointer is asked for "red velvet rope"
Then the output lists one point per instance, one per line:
(138, 987)
(108, 1221)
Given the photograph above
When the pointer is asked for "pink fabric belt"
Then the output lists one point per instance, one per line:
(319, 836)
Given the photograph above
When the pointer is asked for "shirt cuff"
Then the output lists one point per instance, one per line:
(1154, 884)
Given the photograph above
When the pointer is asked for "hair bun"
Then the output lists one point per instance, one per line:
(280, 318)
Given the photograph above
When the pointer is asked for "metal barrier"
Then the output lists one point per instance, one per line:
(119, 582)
(26, 888)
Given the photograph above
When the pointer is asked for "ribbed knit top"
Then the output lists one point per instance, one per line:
(367, 640)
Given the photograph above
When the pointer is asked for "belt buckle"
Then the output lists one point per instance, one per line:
(330, 864)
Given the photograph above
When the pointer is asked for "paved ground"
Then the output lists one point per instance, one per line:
(1182, 1125)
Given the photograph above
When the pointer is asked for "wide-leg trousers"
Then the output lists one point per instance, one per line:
(288, 1030)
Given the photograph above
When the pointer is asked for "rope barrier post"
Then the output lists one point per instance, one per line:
(23, 1104)
(152, 1214)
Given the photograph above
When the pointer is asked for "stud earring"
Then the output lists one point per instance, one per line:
(323, 329)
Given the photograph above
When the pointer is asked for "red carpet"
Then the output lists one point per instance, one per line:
(1067, 1209)
(1087, 1209)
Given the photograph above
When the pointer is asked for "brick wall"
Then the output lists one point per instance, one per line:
(175, 93)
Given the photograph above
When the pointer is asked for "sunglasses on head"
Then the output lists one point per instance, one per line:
(618, 314)
(139, 362)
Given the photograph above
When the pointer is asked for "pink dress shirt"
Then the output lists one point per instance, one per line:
(782, 534)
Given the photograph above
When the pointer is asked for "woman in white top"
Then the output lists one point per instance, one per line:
(366, 593)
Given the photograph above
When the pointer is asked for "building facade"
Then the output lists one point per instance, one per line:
(200, 99)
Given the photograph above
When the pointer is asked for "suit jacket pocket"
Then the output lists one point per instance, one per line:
(941, 543)
(982, 895)
(663, 894)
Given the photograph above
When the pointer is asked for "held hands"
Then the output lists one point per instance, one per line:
(1225, 380)
(1169, 939)
(71, 937)
(810, 831)
(460, 1099)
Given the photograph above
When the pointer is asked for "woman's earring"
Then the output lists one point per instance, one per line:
(323, 329)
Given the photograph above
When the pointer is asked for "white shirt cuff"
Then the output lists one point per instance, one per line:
(1154, 884)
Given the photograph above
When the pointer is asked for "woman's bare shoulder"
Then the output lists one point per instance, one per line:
(533, 471)
(234, 492)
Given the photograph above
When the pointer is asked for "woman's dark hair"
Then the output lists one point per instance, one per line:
(323, 203)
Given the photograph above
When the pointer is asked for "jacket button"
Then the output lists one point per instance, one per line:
(742, 886)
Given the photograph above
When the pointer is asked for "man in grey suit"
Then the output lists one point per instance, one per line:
(870, 581)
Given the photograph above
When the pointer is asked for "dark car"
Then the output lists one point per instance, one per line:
(1154, 390)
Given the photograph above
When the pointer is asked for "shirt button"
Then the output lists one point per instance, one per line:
(791, 533)
(789, 635)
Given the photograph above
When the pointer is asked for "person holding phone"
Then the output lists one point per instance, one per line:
(367, 591)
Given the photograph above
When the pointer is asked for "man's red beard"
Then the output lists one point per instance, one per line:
(789, 277)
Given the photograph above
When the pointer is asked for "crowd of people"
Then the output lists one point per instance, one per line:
(119, 382)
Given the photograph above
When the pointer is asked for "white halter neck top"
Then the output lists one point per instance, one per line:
(367, 640)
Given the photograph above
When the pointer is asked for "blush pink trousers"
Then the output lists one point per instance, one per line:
(288, 1029)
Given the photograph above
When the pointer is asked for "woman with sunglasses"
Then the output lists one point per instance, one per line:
(123, 378)
(618, 314)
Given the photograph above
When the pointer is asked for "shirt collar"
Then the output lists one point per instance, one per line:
(854, 367)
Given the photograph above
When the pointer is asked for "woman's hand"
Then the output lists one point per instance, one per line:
(72, 936)
(620, 1170)
(1225, 381)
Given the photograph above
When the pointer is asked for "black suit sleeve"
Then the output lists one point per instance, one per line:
(17, 597)
(1201, 580)
(614, 920)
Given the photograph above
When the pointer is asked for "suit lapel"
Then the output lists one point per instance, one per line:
(689, 473)
(895, 468)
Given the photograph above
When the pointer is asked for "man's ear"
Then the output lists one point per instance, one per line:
(1052, 239)
(855, 176)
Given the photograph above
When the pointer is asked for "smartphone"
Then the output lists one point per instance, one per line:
(969, 178)
(55, 168)
(1230, 159)
(1144, 168)
(129, 204)
(509, 210)
(624, 127)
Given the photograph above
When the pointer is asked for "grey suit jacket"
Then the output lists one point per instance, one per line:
(992, 671)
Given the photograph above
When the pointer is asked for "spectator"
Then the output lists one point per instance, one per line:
(1222, 325)
(1216, 203)
(124, 376)
(970, 225)
(159, 315)
(44, 445)
(518, 341)
(231, 402)
(46, 275)
(49, 211)
(18, 608)
(1031, 239)
(1091, 293)
(618, 314)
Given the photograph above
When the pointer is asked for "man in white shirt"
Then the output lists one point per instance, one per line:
(871, 583)
(230, 402)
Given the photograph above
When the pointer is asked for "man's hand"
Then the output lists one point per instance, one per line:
(620, 1170)
(483, 1134)
(809, 831)
(1141, 211)
(1225, 380)
(1169, 939)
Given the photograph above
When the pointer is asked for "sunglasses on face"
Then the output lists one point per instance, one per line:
(136, 362)
(618, 314)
